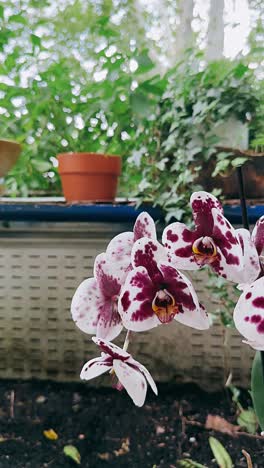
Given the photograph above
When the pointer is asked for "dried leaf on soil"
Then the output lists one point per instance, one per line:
(124, 449)
(104, 456)
(220, 424)
(50, 434)
(73, 453)
(222, 457)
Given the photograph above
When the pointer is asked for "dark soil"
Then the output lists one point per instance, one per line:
(99, 421)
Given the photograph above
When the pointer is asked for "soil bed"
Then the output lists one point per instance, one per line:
(109, 431)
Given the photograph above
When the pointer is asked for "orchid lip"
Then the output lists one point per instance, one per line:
(204, 249)
(164, 306)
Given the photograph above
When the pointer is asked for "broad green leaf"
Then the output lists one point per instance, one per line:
(222, 457)
(1, 11)
(19, 18)
(238, 161)
(248, 420)
(41, 166)
(73, 453)
(257, 388)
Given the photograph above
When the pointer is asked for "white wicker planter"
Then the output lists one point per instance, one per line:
(40, 267)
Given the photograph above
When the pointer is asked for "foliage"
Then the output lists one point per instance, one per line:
(246, 418)
(72, 77)
(225, 295)
(257, 379)
(222, 457)
(182, 144)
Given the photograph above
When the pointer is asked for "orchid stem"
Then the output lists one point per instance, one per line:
(127, 340)
(245, 221)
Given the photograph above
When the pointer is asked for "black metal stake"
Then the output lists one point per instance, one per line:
(245, 222)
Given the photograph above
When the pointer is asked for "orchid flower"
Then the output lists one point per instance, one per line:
(156, 293)
(258, 239)
(249, 311)
(132, 375)
(94, 304)
(249, 314)
(120, 247)
(213, 242)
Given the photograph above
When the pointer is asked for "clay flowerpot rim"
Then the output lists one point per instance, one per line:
(87, 153)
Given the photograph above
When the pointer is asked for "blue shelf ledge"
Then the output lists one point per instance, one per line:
(56, 210)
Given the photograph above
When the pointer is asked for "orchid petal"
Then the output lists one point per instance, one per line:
(132, 380)
(111, 349)
(144, 227)
(109, 323)
(251, 266)
(229, 261)
(119, 253)
(86, 304)
(249, 314)
(135, 301)
(147, 253)
(258, 235)
(178, 241)
(95, 367)
(107, 277)
(202, 204)
(190, 313)
(145, 372)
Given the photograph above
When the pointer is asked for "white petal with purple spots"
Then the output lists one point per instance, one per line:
(249, 314)
(95, 367)
(133, 381)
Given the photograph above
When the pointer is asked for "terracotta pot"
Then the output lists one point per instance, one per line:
(9, 152)
(253, 175)
(89, 176)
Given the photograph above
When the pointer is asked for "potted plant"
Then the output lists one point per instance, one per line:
(89, 176)
(200, 111)
(9, 152)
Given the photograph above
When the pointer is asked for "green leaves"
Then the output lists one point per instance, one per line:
(186, 463)
(73, 453)
(222, 457)
(248, 420)
(257, 387)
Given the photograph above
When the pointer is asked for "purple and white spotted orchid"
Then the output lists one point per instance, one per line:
(249, 314)
(94, 304)
(249, 311)
(132, 375)
(213, 242)
(258, 239)
(120, 247)
(156, 293)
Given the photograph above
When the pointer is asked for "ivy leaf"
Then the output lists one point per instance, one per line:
(238, 161)
(222, 457)
(144, 62)
(73, 453)
(257, 387)
(36, 41)
(17, 19)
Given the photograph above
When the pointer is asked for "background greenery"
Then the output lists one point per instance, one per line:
(88, 76)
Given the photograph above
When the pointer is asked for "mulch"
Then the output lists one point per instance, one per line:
(109, 431)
